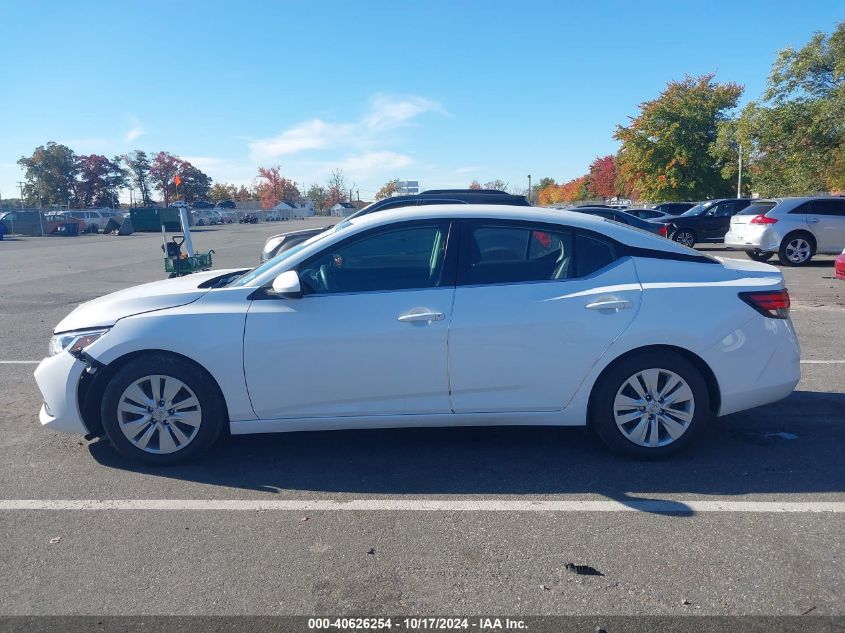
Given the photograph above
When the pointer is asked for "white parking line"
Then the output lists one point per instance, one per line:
(19, 362)
(425, 505)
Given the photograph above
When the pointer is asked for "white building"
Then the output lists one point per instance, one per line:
(343, 209)
(292, 209)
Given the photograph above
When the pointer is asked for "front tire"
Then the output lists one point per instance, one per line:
(759, 256)
(162, 410)
(685, 237)
(796, 249)
(650, 405)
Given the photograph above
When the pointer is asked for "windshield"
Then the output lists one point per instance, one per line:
(256, 272)
(698, 209)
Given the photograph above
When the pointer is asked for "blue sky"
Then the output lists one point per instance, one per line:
(442, 92)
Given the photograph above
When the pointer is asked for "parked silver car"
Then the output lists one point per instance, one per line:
(794, 228)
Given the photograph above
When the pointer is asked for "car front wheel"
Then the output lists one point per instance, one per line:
(162, 410)
(650, 405)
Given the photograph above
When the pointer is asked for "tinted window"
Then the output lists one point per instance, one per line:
(592, 254)
(395, 259)
(506, 254)
(758, 208)
(722, 210)
(829, 207)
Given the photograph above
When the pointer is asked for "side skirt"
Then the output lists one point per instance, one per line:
(286, 425)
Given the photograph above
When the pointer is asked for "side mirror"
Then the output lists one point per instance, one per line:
(287, 285)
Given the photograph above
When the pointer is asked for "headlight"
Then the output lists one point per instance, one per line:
(73, 341)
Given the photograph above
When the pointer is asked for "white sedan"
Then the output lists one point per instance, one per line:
(431, 316)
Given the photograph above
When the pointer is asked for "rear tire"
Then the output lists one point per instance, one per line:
(650, 405)
(759, 256)
(182, 425)
(796, 249)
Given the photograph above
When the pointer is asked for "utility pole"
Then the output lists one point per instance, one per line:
(529, 188)
(739, 179)
(20, 186)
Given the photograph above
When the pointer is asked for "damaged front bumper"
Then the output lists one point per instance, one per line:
(58, 380)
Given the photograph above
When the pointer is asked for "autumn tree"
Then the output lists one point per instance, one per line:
(50, 175)
(163, 169)
(602, 177)
(195, 184)
(136, 166)
(667, 150)
(98, 181)
(390, 189)
(475, 185)
(273, 187)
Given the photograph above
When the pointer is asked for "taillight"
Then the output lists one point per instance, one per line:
(663, 230)
(772, 304)
(763, 219)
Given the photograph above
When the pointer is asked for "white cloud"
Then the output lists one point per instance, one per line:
(385, 113)
(135, 131)
(368, 162)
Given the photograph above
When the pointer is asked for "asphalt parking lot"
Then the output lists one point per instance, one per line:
(413, 521)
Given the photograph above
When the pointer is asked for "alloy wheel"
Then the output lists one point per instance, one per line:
(686, 238)
(798, 250)
(654, 407)
(159, 414)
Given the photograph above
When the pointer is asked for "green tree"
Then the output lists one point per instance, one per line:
(319, 196)
(667, 150)
(795, 136)
(195, 184)
(137, 167)
(50, 175)
(223, 191)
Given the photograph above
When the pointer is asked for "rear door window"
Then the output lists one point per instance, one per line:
(507, 254)
(829, 207)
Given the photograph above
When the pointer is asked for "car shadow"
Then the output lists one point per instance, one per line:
(795, 446)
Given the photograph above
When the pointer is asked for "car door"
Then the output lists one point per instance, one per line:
(826, 219)
(536, 306)
(368, 337)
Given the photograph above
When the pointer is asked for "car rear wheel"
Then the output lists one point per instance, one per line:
(685, 237)
(162, 410)
(650, 405)
(759, 256)
(796, 249)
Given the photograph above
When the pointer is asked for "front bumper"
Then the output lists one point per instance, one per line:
(58, 380)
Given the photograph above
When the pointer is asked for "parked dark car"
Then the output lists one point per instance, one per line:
(226, 204)
(283, 241)
(23, 222)
(707, 221)
(623, 217)
(202, 204)
(674, 208)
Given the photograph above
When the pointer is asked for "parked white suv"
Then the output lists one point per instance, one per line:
(794, 228)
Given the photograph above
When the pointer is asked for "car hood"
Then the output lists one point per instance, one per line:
(158, 295)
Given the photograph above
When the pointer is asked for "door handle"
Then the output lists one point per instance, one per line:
(610, 304)
(812, 220)
(424, 316)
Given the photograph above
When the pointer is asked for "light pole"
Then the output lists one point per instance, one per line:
(739, 178)
(529, 188)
